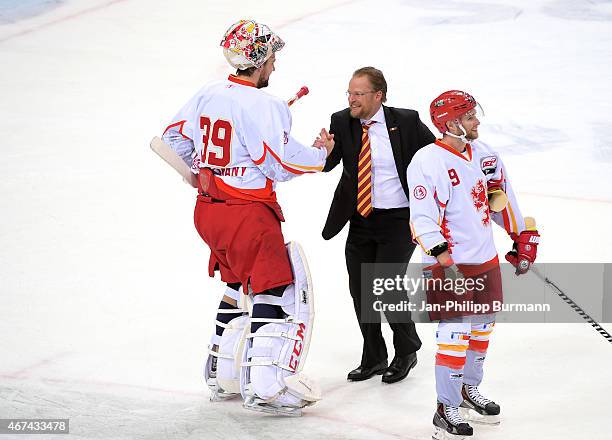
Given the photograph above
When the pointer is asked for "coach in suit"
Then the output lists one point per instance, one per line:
(375, 144)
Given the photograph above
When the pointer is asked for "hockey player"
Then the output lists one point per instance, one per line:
(450, 181)
(236, 138)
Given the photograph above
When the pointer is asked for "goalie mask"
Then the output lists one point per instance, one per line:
(249, 44)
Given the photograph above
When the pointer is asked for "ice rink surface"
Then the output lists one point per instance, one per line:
(106, 307)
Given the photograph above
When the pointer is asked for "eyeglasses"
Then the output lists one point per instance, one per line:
(358, 94)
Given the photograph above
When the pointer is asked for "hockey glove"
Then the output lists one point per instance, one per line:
(524, 250)
(452, 272)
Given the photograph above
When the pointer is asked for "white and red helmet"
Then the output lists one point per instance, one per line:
(449, 106)
(249, 44)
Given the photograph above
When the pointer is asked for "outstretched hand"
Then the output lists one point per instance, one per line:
(325, 140)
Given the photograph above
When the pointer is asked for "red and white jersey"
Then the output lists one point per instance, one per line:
(243, 135)
(449, 203)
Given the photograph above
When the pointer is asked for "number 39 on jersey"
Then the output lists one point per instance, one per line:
(216, 141)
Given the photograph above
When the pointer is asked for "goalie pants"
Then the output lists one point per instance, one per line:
(246, 243)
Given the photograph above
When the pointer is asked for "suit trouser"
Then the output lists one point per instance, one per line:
(382, 237)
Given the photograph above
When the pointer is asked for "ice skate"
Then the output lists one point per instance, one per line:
(217, 393)
(477, 408)
(254, 403)
(449, 425)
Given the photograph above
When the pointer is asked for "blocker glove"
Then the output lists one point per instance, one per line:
(524, 250)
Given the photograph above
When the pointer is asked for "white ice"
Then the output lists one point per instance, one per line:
(106, 307)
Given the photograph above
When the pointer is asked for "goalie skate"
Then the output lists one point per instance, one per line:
(297, 384)
(254, 403)
(222, 368)
(217, 393)
(477, 408)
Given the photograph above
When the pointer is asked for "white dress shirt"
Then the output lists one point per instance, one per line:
(387, 191)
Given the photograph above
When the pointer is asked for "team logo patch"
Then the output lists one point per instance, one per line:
(439, 103)
(488, 164)
(419, 192)
(479, 199)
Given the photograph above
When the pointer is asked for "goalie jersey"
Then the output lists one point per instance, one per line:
(449, 201)
(243, 135)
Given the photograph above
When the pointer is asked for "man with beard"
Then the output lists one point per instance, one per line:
(375, 144)
(236, 138)
(452, 182)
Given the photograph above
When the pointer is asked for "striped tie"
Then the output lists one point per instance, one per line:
(364, 173)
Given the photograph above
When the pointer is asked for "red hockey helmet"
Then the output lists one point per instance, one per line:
(449, 106)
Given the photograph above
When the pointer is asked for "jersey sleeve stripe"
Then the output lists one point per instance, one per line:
(442, 205)
(179, 124)
(286, 165)
(512, 217)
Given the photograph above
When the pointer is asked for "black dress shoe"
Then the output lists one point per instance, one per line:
(399, 368)
(363, 373)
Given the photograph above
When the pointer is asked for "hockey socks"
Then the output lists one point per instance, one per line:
(268, 311)
(224, 318)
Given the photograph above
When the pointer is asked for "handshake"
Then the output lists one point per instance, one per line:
(324, 140)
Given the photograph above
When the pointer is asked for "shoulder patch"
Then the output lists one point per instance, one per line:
(419, 192)
(488, 164)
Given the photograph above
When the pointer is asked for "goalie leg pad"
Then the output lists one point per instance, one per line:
(222, 370)
(275, 354)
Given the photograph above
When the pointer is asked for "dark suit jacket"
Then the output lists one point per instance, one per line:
(407, 134)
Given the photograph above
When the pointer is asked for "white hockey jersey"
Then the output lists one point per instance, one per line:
(448, 201)
(243, 135)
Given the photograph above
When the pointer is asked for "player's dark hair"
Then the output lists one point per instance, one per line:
(246, 72)
(376, 77)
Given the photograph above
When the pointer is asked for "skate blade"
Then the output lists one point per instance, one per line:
(475, 417)
(443, 434)
(216, 396)
(286, 411)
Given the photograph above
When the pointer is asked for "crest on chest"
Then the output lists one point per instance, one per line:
(480, 201)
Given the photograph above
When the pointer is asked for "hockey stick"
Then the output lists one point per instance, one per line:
(160, 148)
(302, 92)
(171, 158)
(573, 305)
